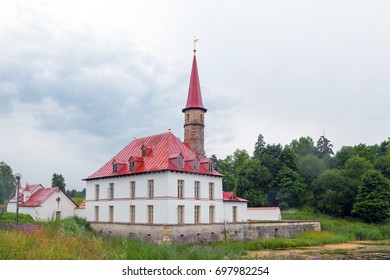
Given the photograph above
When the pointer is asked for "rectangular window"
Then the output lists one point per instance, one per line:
(211, 191)
(179, 162)
(58, 215)
(180, 214)
(97, 189)
(212, 214)
(144, 152)
(150, 189)
(110, 191)
(96, 214)
(197, 214)
(196, 165)
(180, 189)
(150, 214)
(234, 214)
(132, 190)
(211, 166)
(197, 190)
(111, 214)
(132, 214)
(131, 165)
(115, 168)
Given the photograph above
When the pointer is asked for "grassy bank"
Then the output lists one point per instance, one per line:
(73, 238)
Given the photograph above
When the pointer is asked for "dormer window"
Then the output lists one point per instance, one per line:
(211, 166)
(179, 162)
(131, 165)
(145, 150)
(115, 168)
(196, 165)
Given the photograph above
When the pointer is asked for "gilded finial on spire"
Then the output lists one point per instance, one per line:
(195, 41)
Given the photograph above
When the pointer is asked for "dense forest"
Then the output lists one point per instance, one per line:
(352, 182)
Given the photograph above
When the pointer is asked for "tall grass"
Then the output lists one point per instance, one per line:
(73, 238)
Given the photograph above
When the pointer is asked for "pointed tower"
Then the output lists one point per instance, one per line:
(194, 113)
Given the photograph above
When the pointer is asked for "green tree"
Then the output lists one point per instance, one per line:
(259, 146)
(355, 167)
(58, 181)
(324, 147)
(252, 182)
(334, 193)
(383, 165)
(373, 199)
(7, 182)
(292, 188)
(310, 167)
(304, 146)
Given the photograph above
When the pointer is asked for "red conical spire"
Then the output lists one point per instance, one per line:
(194, 99)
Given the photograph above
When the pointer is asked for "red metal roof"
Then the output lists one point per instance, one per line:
(36, 195)
(231, 196)
(194, 99)
(165, 149)
(39, 197)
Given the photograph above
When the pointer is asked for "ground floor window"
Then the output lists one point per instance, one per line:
(197, 214)
(150, 214)
(180, 214)
(132, 214)
(234, 214)
(111, 214)
(96, 214)
(211, 214)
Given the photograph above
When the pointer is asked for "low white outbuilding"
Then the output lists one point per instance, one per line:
(43, 203)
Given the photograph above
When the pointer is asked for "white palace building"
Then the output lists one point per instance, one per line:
(159, 188)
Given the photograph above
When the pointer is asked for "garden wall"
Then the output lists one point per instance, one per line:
(207, 232)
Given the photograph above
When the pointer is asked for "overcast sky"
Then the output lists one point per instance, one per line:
(79, 79)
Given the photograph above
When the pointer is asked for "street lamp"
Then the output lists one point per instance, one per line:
(18, 176)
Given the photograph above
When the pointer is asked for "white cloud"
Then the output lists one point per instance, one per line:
(80, 78)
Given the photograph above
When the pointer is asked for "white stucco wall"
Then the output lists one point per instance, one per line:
(165, 202)
(47, 210)
(264, 214)
(241, 211)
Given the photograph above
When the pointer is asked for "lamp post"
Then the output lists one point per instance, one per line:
(18, 176)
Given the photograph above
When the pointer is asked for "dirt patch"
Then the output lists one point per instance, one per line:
(358, 250)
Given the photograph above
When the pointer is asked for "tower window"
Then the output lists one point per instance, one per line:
(187, 117)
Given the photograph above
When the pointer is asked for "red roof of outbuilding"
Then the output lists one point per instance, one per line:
(165, 149)
(36, 195)
(39, 197)
(194, 99)
(231, 196)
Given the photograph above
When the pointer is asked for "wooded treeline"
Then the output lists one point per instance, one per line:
(352, 182)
